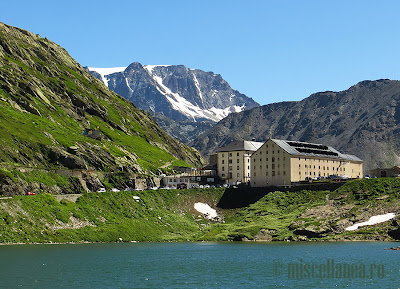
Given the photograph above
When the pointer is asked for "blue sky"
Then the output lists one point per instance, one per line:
(271, 51)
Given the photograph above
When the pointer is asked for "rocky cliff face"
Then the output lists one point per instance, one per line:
(175, 92)
(49, 104)
(363, 120)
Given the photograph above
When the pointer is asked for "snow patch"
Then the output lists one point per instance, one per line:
(196, 82)
(372, 221)
(206, 210)
(106, 71)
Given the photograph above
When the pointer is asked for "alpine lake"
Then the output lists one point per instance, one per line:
(201, 265)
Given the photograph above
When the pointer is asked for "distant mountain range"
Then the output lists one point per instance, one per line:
(363, 120)
(175, 95)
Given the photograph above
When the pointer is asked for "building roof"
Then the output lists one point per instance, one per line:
(313, 150)
(241, 146)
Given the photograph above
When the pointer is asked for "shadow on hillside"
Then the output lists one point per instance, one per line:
(243, 196)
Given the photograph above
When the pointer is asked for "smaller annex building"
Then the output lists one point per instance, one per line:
(386, 172)
(233, 161)
(280, 163)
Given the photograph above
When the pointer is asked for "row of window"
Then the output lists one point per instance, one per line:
(230, 154)
(237, 161)
(272, 166)
(272, 159)
(237, 168)
(323, 168)
(272, 173)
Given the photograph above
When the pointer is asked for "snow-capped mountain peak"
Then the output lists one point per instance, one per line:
(175, 91)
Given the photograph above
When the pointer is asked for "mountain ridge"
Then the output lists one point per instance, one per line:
(362, 120)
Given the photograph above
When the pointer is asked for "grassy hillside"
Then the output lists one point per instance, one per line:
(47, 100)
(169, 215)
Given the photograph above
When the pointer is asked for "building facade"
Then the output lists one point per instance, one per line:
(281, 163)
(234, 161)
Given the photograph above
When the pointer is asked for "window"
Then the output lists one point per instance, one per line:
(223, 175)
(260, 167)
(238, 168)
(248, 167)
(267, 159)
(273, 166)
(237, 161)
(273, 159)
(284, 173)
(223, 155)
(230, 161)
(273, 173)
(230, 168)
(299, 166)
(266, 173)
(223, 161)
(273, 152)
(237, 174)
(223, 168)
(237, 154)
(279, 173)
(254, 174)
(230, 154)
(248, 160)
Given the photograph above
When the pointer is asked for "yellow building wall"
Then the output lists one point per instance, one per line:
(303, 167)
(234, 166)
(270, 166)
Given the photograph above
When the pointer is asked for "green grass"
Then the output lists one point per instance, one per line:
(169, 215)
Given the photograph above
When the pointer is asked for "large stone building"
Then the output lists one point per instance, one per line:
(233, 161)
(279, 162)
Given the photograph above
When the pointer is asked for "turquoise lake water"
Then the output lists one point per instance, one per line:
(201, 265)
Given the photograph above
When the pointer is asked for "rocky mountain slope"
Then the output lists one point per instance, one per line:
(49, 105)
(176, 94)
(363, 120)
